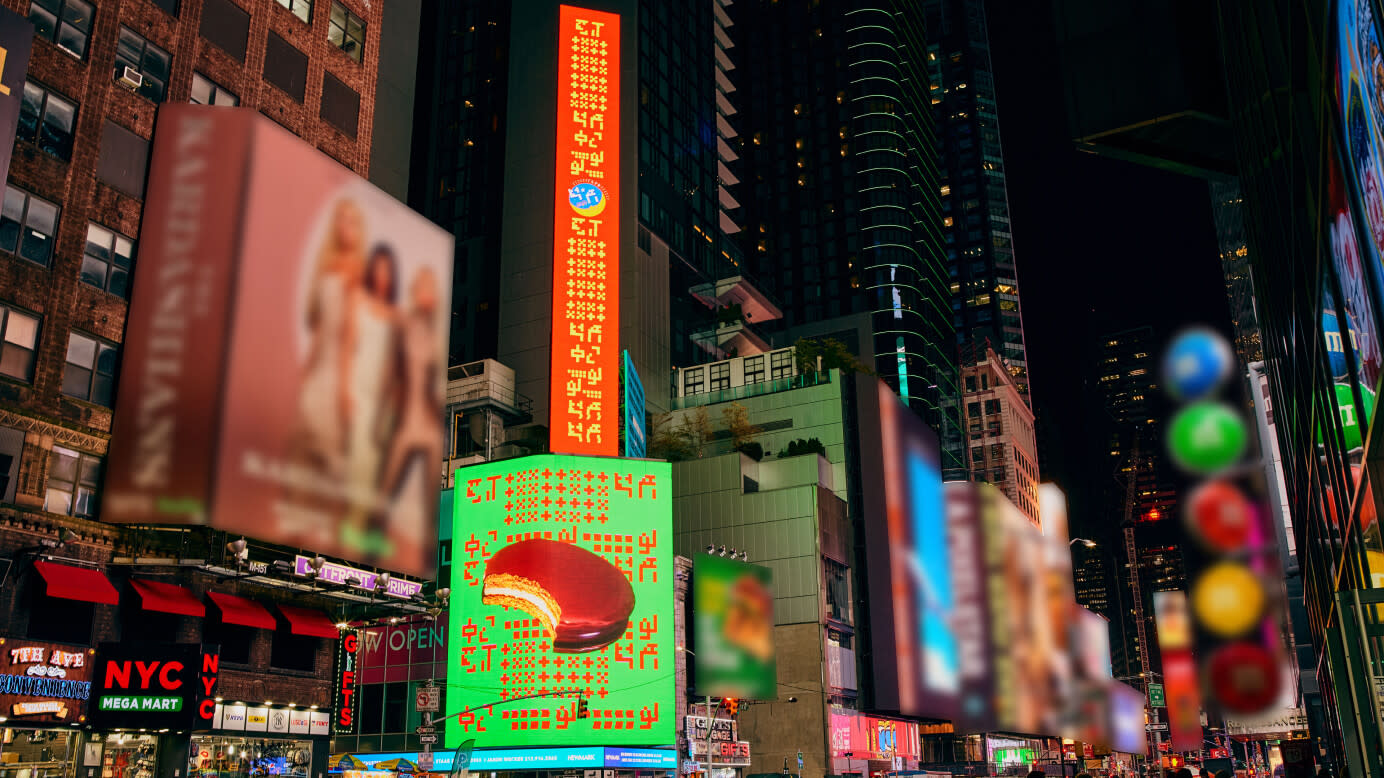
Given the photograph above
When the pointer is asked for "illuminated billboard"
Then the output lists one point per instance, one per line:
(562, 584)
(584, 389)
(285, 351)
(44, 683)
(1181, 685)
(929, 675)
(734, 609)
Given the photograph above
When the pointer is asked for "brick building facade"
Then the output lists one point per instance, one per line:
(1001, 447)
(69, 240)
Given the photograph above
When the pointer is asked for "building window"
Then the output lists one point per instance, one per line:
(151, 62)
(73, 478)
(781, 365)
(20, 342)
(28, 226)
(286, 67)
(754, 370)
(11, 448)
(59, 620)
(346, 31)
(90, 371)
(972, 409)
(64, 22)
(107, 260)
(838, 580)
(293, 652)
(970, 383)
(124, 159)
(992, 406)
(45, 119)
(299, 8)
(226, 25)
(340, 105)
(208, 92)
(235, 641)
(720, 376)
(692, 381)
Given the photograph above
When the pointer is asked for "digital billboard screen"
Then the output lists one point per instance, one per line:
(285, 356)
(925, 643)
(584, 388)
(734, 635)
(562, 584)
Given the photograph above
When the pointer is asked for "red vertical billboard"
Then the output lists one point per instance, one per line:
(584, 397)
(1179, 670)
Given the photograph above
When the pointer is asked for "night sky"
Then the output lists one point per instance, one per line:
(1100, 244)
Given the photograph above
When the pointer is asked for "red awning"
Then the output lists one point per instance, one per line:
(77, 583)
(238, 610)
(309, 623)
(167, 598)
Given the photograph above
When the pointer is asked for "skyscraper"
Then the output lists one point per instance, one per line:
(998, 425)
(975, 207)
(841, 201)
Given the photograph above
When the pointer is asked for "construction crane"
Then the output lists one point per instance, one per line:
(1136, 591)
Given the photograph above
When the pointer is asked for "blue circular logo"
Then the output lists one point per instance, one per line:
(587, 198)
(1198, 362)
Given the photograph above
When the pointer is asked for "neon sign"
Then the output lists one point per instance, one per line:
(584, 384)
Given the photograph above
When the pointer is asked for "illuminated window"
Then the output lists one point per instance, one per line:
(73, 479)
(208, 92)
(948, 221)
(28, 226)
(346, 31)
(107, 260)
(90, 371)
(754, 369)
(299, 8)
(19, 343)
(781, 365)
(151, 62)
(945, 190)
(720, 377)
(693, 381)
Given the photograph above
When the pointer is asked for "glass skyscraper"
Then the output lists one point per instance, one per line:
(842, 210)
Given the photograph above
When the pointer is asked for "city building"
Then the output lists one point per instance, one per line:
(1093, 579)
(998, 425)
(975, 207)
(1125, 376)
(685, 297)
(80, 592)
(840, 187)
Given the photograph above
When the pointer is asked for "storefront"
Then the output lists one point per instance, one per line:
(228, 756)
(44, 692)
(729, 754)
(595, 762)
(865, 745)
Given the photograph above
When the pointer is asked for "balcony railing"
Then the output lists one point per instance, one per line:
(751, 390)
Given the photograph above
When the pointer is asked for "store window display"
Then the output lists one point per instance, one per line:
(234, 757)
(129, 756)
(37, 753)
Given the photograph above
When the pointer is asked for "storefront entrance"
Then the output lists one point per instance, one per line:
(220, 756)
(38, 753)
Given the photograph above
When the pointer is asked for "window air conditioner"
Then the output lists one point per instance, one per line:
(130, 78)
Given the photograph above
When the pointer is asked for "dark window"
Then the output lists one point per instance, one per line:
(300, 8)
(972, 409)
(227, 26)
(235, 640)
(151, 62)
(124, 159)
(90, 371)
(208, 92)
(340, 105)
(371, 708)
(171, 6)
(838, 579)
(59, 620)
(11, 447)
(754, 369)
(286, 67)
(107, 260)
(47, 120)
(396, 702)
(64, 22)
(146, 626)
(73, 481)
(992, 406)
(346, 31)
(19, 342)
(720, 376)
(294, 652)
(34, 219)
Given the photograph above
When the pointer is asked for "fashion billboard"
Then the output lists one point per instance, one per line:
(562, 584)
(920, 578)
(734, 632)
(286, 349)
(584, 397)
(44, 683)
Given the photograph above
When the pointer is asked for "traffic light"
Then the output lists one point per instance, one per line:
(583, 712)
(732, 705)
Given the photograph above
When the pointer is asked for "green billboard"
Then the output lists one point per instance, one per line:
(734, 629)
(562, 587)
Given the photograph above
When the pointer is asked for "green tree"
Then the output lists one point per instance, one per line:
(742, 431)
(832, 353)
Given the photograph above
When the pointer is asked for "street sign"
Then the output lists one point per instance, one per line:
(426, 730)
(428, 739)
(425, 760)
(1159, 726)
(1156, 697)
(428, 699)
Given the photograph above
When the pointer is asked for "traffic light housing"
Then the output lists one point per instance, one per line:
(583, 711)
(732, 705)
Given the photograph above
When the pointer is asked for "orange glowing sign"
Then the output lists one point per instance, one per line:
(584, 409)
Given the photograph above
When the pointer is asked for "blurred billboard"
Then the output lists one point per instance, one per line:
(734, 630)
(286, 349)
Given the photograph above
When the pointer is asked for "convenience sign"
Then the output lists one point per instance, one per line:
(164, 685)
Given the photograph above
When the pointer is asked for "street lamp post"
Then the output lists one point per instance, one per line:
(710, 716)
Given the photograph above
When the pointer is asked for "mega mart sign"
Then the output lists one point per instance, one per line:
(155, 686)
